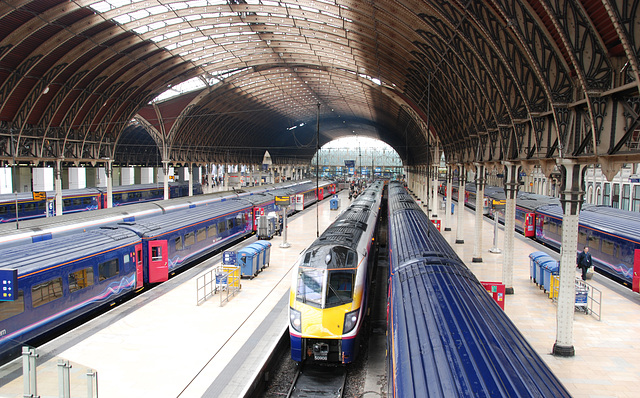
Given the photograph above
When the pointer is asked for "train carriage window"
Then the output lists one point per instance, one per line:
(607, 247)
(12, 308)
(626, 196)
(125, 197)
(559, 229)
(212, 231)
(189, 239)
(635, 203)
(46, 292)
(582, 238)
(80, 279)
(66, 202)
(3, 209)
(108, 269)
(87, 201)
(240, 219)
(222, 226)
(77, 201)
(202, 234)
(117, 197)
(29, 206)
(41, 206)
(178, 243)
(156, 253)
(230, 223)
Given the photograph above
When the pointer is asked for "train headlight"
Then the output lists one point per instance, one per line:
(350, 321)
(295, 319)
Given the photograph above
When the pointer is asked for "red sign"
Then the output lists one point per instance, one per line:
(495, 289)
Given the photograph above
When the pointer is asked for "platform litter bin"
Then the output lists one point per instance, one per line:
(247, 259)
(261, 256)
(532, 268)
(334, 204)
(548, 268)
(267, 254)
(538, 271)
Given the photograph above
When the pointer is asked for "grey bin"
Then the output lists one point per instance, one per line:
(247, 260)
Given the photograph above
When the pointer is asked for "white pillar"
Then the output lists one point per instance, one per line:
(58, 184)
(108, 173)
(477, 247)
(77, 178)
(447, 207)
(434, 187)
(511, 191)
(146, 175)
(42, 179)
(6, 180)
(462, 178)
(166, 170)
(571, 200)
(188, 180)
(196, 175)
(127, 176)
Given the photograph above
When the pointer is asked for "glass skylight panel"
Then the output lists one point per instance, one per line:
(157, 25)
(173, 21)
(157, 10)
(102, 6)
(178, 6)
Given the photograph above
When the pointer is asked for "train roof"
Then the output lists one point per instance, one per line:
(449, 337)
(162, 224)
(40, 255)
(349, 226)
(625, 224)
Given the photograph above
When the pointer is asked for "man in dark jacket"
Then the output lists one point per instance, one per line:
(584, 262)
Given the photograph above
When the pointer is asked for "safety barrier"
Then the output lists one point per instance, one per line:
(588, 297)
(222, 278)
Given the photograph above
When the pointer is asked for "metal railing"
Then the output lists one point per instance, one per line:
(222, 278)
(590, 305)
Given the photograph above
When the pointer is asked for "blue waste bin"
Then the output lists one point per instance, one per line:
(333, 204)
(267, 255)
(453, 206)
(538, 271)
(261, 250)
(247, 259)
(532, 269)
(548, 268)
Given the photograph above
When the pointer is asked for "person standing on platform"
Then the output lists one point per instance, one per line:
(584, 262)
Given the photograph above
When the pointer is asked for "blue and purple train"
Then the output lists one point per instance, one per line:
(60, 278)
(446, 335)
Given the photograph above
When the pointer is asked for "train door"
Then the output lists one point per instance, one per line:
(636, 271)
(158, 264)
(137, 256)
(102, 200)
(529, 225)
(320, 193)
(299, 202)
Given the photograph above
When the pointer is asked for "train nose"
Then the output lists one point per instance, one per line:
(320, 351)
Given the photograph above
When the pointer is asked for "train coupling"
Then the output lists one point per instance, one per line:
(320, 351)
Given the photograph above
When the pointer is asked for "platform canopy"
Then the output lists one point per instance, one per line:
(492, 80)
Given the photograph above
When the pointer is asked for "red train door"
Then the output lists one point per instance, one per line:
(636, 271)
(529, 225)
(320, 193)
(158, 264)
(137, 257)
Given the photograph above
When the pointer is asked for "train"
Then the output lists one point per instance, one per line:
(446, 335)
(45, 228)
(612, 235)
(59, 279)
(79, 200)
(330, 284)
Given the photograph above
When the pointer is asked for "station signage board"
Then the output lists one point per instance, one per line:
(283, 200)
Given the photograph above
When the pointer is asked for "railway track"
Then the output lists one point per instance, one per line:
(313, 381)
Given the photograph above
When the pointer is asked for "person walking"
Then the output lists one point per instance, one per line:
(584, 262)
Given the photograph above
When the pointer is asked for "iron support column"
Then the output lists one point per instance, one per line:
(462, 177)
(58, 187)
(571, 197)
(108, 171)
(511, 191)
(447, 207)
(477, 247)
(189, 173)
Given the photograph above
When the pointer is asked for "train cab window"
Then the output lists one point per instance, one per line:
(635, 201)
(309, 286)
(201, 234)
(80, 279)
(12, 308)
(340, 288)
(178, 243)
(626, 194)
(222, 226)
(212, 231)
(189, 239)
(108, 269)
(46, 292)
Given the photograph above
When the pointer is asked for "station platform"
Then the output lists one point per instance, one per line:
(161, 344)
